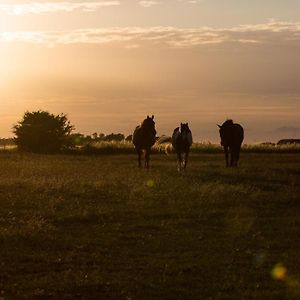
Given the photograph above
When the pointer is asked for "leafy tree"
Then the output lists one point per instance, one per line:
(117, 137)
(42, 132)
(77, 139)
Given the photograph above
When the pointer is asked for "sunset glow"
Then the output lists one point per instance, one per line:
(108, 64)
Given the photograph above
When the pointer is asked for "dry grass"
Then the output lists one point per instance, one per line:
(96, 227)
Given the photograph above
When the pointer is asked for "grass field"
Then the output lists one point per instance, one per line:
(96, 227)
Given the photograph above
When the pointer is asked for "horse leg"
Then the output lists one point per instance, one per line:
(139, 152)
(179, 161)
(232, 156)
(237, 155)
(186, 155)
(147, 158)
(226, 156)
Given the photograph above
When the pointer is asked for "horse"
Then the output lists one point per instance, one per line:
(143, 139)
(232, 136)
(182, 140)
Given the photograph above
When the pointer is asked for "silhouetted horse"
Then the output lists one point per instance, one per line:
(182, 140)
(144, 138)
(232, 136)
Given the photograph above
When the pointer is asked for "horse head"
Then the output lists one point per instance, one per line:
(225, 132)
(184, 128)
(149, 125)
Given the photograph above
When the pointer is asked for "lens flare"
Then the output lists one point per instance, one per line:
(279, 272)
(150, 183)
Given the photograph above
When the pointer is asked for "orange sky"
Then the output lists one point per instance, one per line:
(108, 64)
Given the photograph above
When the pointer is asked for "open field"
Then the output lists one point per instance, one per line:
(96, 227)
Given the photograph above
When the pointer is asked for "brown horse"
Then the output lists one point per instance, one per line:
(182, 140)
(144, 138)
(232, 136)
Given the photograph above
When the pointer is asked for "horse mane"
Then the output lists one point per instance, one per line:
(228, 122)
(176, 129)
(181, 136)
(186, 128)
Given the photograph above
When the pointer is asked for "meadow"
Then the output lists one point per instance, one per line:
(97, 227)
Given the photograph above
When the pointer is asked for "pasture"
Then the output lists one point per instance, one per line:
(97, 227)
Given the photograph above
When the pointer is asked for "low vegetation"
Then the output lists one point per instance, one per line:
(124, 147)
(96, 227)
(42, 132)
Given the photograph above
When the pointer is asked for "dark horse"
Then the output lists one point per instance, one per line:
(232, 136)
(144, 138)
(182, 140)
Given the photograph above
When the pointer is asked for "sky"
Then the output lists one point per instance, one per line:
(108, 64)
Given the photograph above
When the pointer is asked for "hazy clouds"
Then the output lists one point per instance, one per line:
(109, 63)
(53, 7)
(271, 33)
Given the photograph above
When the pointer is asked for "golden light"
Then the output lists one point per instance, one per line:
(150, 183)
(279, 272)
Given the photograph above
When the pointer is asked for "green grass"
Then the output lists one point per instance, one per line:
(96, 227)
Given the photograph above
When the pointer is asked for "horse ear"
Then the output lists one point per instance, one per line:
(152, 117)
(148, 117)
(219, 126)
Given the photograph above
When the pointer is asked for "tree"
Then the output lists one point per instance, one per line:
(117, 137)
(42, 132)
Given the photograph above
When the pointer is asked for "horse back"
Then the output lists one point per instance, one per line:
(142, 139)
(237, 134)
(181, 142)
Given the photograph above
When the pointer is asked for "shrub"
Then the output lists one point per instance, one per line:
(42, 132)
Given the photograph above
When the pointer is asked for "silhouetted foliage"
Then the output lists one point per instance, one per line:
(117, 137)
(77, 139)
(289, 142)
(6, 142)
(43, 132)
(128, 138)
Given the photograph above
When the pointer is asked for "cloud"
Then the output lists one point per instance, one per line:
(272, 33)
(194, 1)
(148, 3)
(52, 7)
(191, 1)
(288, 129)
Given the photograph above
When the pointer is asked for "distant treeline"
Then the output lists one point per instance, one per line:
(119, 140)
(43, 132)
(79, 139)
(6, 142)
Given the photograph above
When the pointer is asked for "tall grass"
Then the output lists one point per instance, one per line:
(125, 147)
(210, 148)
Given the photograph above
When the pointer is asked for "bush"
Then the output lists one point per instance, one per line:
(42, 132)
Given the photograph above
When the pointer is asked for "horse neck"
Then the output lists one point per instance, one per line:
(184, 134)
(144, 129)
